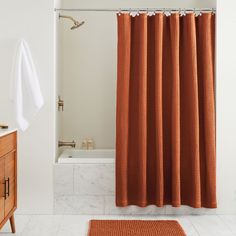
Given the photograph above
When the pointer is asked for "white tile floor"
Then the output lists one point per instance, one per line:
(77, 225)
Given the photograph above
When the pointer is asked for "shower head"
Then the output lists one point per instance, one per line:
(76, 25)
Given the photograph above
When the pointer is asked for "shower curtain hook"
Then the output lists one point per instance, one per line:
(164, 11)
(168, 13)
(130, 12)
(119, 12)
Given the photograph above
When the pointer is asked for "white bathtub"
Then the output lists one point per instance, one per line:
(74, 156)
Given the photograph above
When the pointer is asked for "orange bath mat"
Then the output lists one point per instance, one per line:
(135, 228)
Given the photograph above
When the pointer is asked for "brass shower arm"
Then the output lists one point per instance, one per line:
(76, 25)
(68, 17)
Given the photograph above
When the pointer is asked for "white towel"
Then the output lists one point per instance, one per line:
(25, 90)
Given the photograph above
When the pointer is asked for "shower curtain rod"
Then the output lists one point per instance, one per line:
(136, 9)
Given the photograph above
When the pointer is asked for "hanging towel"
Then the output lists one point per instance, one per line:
(25, 89)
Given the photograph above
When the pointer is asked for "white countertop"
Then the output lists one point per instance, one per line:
(4, 132)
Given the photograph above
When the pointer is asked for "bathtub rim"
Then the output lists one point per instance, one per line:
(109, 159)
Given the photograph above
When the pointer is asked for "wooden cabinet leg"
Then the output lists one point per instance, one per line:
(12, 222)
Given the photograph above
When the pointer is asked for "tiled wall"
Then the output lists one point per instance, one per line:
(82, 188)
(90, 189)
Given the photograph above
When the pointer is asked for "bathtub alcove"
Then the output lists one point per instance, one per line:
(86, 61)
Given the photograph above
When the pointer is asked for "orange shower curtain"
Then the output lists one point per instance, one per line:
(165, 140)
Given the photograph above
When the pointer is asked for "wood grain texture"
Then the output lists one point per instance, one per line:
(10, 201)
(12, 222)
(1, 189)
(8, 175)
(7, 143)
(10, 162)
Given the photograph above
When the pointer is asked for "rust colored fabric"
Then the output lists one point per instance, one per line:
(135, 228)
(165, 128)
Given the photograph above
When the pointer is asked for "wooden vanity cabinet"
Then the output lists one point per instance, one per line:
(2, 189)
(8, 178)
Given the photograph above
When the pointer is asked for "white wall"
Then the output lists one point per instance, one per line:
(58, 76)
(137, 3)
(34, 21)
(226, 109)
(88, 68)
(88, 65)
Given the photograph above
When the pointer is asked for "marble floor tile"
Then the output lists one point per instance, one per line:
(60, 205)
(77, 225)
(63, 179)
(97, 179)
(230, 221)
(79, 205)
(210, 225)
(42, 225)
(20, 221)
(74, 226)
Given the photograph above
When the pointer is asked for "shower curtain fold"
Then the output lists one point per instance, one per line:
(165, 139)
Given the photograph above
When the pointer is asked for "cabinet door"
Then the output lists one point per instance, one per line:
(7, 143)
(1, 189)
(10, 178)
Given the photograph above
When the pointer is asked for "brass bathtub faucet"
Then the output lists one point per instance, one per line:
(67, 144)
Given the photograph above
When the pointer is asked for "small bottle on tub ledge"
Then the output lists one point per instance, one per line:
(87, 144)
(84, 144)
(90, 144)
